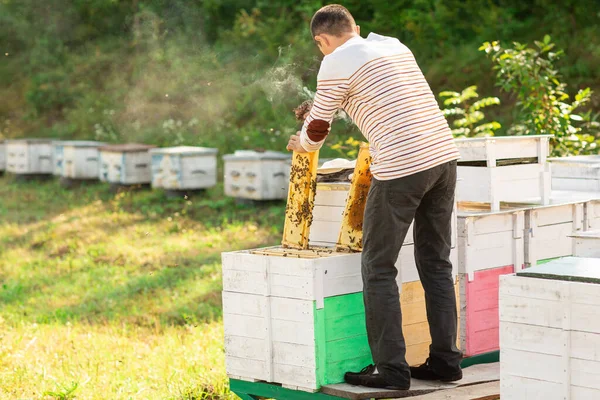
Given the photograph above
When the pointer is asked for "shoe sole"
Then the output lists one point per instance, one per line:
(446, 380)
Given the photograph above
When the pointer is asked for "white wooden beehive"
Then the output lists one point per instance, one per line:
(257, 175)
(579, 173)
(294, 321)
(184, 167)
(549, 229)
(550, 331)
(490, 244)
(2, 156)
(29, 156)
(502, 177)
(81, 159)
(125, 164)
(587, 244)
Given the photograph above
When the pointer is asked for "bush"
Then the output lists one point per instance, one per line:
(465, 114)
(530, 74)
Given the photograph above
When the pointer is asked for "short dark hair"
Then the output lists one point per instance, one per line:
(333, 19)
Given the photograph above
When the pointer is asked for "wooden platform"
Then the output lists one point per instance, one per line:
(472, 375)
(474, 385)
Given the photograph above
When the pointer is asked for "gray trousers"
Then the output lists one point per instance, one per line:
(428, 198)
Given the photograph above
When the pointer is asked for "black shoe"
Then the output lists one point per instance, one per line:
(425, 373)
(370, 378)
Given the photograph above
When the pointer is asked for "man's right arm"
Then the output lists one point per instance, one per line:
(328, 99)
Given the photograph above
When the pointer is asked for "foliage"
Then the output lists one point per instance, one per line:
(467, 113)
(347, 148)
(110, 296)
(68, 63)
(544, 106)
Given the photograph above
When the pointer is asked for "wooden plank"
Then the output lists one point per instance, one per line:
(350, 235)
(300, 202)
(540, 366)
(517, 387)
(481, 373)
(482, 391)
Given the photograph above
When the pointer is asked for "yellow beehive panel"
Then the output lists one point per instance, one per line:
(301, 200)
(414, 321)
(350, 238)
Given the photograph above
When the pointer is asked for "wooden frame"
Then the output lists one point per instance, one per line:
(351, 232)
(301, 200)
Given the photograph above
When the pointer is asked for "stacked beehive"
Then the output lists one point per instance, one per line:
(294, 317)
(509, 169)
(490, 244)
(550, 331)
(508, 219)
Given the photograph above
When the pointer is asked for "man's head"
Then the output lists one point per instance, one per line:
(332, 26)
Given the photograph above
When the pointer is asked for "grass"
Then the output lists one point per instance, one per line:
(108, 296)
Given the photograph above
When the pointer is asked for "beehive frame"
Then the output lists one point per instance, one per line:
(351, 232)
(300, 201)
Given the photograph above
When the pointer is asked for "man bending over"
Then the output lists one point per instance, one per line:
(380, 86)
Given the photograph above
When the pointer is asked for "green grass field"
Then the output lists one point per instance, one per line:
(108, 296)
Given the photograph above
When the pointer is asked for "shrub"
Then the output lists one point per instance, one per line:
(466, 113)
(544, 105)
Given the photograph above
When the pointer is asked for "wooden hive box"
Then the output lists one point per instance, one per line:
(587, 244)
(80, 159)
(257, 175)
(549, 229)
(550, 331)
(125, 164)
(580, 173)
(184, 168)
(293, 317)
(29, 156)
(510, 169)
(490, 244)
(2, 156)
(330, 202)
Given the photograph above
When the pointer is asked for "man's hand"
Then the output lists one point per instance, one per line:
(294, 144)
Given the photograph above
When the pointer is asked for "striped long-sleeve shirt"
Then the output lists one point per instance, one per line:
(378, 83)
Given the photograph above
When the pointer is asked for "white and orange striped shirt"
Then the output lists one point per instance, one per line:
(379, 84)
